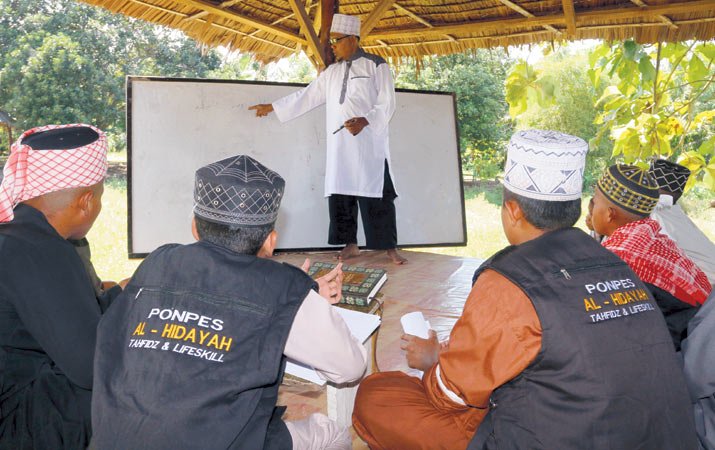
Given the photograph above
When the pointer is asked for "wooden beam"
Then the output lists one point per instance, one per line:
(413, 15)
(200, 14)
(526, 13)
(376, 14)
(306, 26)
(663, 19)
(327, 9)
(583, 19)
(570, 13)
(275, 22)
(234, 16)
(215, 25)
(316, 20)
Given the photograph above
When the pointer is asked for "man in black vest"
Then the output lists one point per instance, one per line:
(559, 346)
(193, 353)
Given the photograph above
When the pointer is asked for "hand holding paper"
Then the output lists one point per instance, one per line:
(422, 352)
(414, 323)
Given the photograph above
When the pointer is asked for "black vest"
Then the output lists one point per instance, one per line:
(191, 355)
(606, 376)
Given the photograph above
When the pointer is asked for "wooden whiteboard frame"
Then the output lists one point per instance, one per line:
(132, 170)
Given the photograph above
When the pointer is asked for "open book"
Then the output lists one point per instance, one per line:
(360, 324)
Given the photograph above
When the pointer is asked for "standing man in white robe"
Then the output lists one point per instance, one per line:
(359, 95)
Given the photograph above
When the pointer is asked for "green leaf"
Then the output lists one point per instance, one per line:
(697, 70)
(709, 177)
(595, 76)
(646, 68)
(707, 50)
(608, 94)
(602, 51)
(673, 51)
(629, 50)
(692, 160)
(707, 147)
(705, 117)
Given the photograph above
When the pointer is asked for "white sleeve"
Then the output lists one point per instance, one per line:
(302, 101)
(319, 338)
(381, 113)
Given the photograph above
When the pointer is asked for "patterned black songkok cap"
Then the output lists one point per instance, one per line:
(670, 176)
(630, 187)
(238, 191)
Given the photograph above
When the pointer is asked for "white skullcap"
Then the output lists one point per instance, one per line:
(345, 24)
(545, 165)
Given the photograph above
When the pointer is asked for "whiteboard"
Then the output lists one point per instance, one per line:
(175, 126)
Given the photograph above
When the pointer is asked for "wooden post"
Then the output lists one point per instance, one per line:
(327, 9)
(306, 26)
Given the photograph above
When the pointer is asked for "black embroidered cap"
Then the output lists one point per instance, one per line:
(669, 176)
(238, 191)
(630, 187)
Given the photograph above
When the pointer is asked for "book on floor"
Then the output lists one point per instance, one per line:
(360, 284)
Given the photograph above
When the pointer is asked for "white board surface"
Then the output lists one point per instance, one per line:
(176, 126)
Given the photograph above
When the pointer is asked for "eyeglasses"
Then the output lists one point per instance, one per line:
(334, 41)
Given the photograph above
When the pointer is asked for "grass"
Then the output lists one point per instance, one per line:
(108, 237)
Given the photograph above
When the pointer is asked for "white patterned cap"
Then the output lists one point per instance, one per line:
(545, 165)
(344, 24)
(238, 191)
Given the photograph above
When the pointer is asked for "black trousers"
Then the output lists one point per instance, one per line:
(378, 218)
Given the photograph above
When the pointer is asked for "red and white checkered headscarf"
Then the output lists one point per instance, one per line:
(657, 260)
(30, 173)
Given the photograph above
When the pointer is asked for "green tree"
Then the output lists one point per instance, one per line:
(568, 106)
(658, 102)
(64, 61)
(57, 84)
(651, 101)
(476, 79)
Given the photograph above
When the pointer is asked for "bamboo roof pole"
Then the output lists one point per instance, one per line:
(663, 19)
(306, 27)
(376, 14)
(570, 13)
(200, 14)
(526, 13)
(416, 18)
(215, 25)
(236, 17)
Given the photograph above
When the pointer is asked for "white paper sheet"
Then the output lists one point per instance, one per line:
(360, 324)
(414, 323)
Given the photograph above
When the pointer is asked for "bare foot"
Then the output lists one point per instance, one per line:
(396, 257)
(350, 251)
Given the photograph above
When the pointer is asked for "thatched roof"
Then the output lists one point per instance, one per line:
(271, 29)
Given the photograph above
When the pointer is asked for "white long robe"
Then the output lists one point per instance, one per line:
(678, 226)
(354, 164)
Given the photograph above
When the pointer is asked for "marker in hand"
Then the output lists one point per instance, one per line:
(341, 127)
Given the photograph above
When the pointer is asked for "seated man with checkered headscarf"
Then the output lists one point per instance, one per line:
(191, 355)
(671, 179)
(51, 192)
(624, 198)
